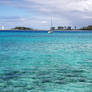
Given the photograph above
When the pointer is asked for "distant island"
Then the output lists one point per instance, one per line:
(27, 29)
(87, 28)
(21, 28)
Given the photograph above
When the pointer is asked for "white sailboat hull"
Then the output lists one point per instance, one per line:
(50, 32)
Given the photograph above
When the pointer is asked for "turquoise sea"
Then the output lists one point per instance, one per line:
(42, 62)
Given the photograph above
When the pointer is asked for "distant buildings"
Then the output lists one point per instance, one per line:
(69, 28)
(60, 28)
(64, 28)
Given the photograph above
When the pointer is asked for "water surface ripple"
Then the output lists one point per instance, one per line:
(41, 62)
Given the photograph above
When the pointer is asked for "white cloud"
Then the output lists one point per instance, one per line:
(87, 17)
(44, 22)
(61, 5)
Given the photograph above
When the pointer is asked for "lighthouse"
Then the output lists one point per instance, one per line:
(2, 27)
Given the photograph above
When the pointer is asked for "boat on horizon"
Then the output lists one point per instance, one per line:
(50, 31)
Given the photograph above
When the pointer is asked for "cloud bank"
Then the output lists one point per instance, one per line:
(64, 12)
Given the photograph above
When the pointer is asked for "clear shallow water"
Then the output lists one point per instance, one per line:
(41, 62)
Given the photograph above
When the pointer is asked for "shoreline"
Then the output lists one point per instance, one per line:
(45, 31)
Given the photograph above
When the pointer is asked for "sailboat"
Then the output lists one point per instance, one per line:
(51, 29)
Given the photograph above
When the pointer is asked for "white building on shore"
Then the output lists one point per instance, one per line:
(2, 27)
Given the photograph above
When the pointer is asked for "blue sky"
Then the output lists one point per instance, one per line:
(37, 13)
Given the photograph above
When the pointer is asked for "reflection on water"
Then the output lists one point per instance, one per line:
(46, 64)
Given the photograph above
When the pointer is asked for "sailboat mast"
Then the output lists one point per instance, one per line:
(51, 22)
